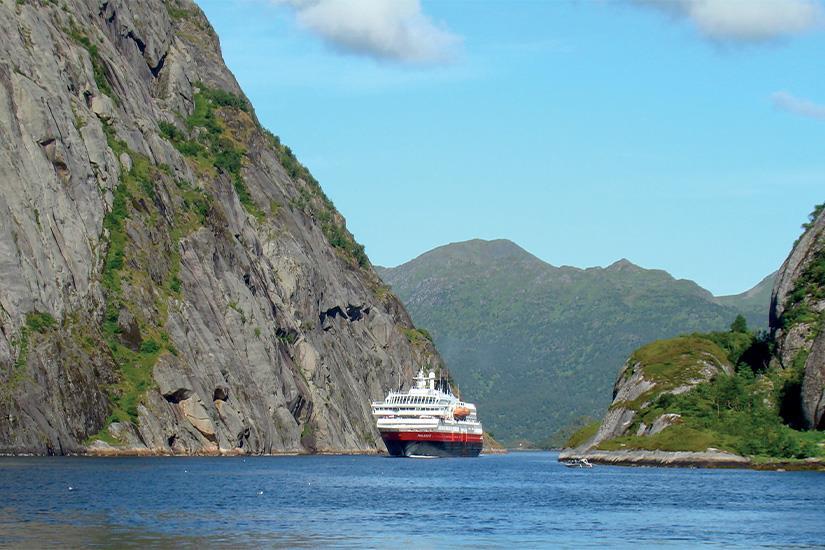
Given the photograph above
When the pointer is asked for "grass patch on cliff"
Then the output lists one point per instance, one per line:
(809, 288)
(37, 322)
(135, 195)
(98, 68)
(417, 336)
(675, 362)
(135, 379)
(583, 434)
(313, 201)
(211, 145)
(135, 367)
(40, 321)
(672, 363)
(678, 437)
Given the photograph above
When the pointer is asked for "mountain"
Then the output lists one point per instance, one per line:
(537, 346)
(752, 304)
(728, 398)
(172, 279)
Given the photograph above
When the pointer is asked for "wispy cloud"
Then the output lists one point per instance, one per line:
(745, 21)
(386, 30)
(797, 105)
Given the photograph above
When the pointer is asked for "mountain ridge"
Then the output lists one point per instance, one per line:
(543, 323)
(622, 263)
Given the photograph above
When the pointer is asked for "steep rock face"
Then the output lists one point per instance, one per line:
(797, 316)
(173, 280)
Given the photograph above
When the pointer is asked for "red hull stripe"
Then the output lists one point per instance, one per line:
(431, 436)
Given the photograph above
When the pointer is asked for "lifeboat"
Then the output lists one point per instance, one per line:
(461, 412)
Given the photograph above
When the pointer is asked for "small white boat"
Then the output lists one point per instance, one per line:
(578, 463)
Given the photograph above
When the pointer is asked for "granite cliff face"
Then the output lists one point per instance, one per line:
(797, 317)
(173, 280)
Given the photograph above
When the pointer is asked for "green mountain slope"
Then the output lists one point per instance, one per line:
(753, 303)
(538, 346)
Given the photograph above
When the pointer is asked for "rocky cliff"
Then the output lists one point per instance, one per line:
(665, 367)
(173, 280)
(797, 317)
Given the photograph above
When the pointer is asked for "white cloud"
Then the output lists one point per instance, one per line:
(797, 105)
(745, 20)
(395, 30)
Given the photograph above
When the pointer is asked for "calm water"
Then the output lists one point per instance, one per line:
(524, 499)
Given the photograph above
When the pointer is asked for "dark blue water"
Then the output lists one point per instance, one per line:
(524, 499)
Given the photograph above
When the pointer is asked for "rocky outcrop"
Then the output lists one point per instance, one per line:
(172, 279)
(681, 459)
(797, 317)
(667, 367)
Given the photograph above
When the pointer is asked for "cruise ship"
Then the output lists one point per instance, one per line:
(428, 421)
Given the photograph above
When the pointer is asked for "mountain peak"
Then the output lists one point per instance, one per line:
(623, 265)
(479, 251)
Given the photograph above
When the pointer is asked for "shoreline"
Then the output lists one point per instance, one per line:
(690, 459)
(114, 452)
(148, 453)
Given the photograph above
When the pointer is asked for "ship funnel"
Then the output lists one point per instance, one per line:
(432, 380)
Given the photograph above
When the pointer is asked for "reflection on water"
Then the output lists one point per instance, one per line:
(518, 499)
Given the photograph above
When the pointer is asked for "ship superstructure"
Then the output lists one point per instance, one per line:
(428, 420)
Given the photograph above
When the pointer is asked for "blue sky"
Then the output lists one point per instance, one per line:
(681, 139)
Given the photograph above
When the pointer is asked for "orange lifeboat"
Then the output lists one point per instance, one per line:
(461, 412)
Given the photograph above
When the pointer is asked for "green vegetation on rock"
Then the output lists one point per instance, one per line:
(671, 364)
(678, 437)
(313, 201)
(584, 433)
(212, 145)
(417, 335)
(39, 321)
(36, 322)
(98, 69)
(124, 279)
(740, 412)
(809, 288)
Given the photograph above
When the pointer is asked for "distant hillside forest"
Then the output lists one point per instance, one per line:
(537, 347)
